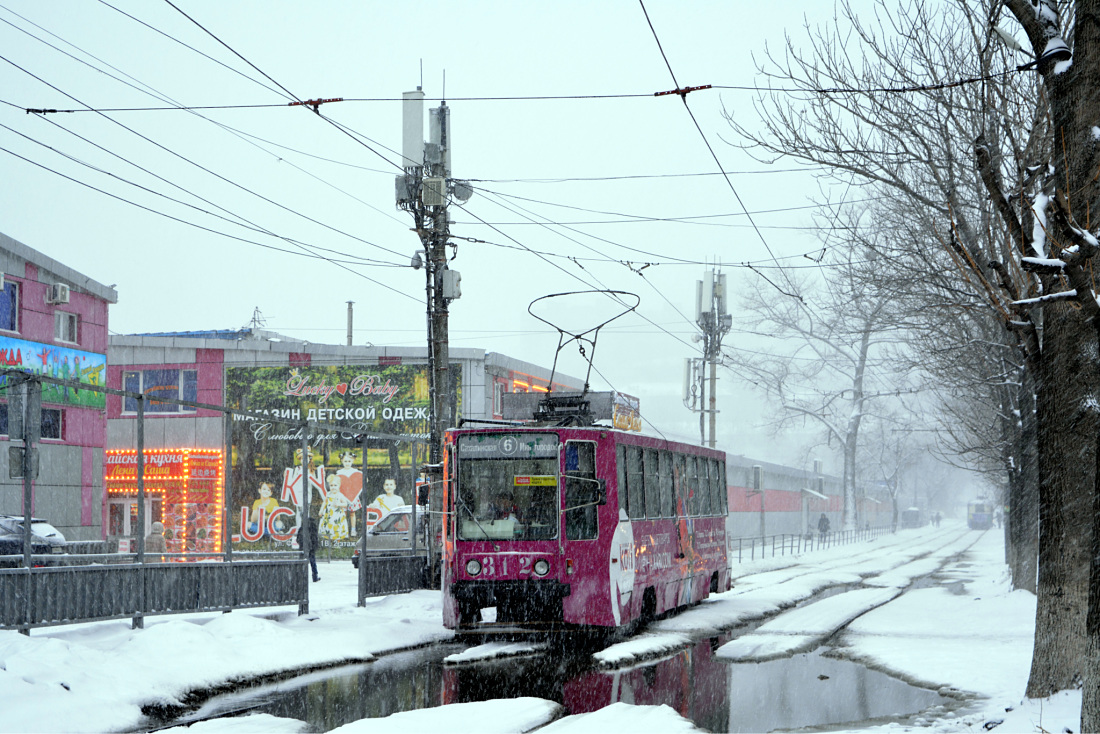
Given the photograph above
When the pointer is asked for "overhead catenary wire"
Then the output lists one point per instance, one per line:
(637, 271)
(915, 89)
(564, 270)
(692, 219)
(187, 160)
(201, 227)
(240, 221)
(143, 88)
(293, 97)
(792, 293)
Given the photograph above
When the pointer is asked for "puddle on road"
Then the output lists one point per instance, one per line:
(809, 691)
(802, 691)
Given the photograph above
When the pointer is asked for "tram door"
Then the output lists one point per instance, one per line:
(583, 493)
(123, 519)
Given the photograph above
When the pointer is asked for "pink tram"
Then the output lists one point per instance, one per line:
(586, 527)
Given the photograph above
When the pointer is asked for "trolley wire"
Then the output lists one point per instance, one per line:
(683, 97)
(146, 89)
(204, 228)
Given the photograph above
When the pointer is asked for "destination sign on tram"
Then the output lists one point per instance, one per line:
(537, 480)
(508, 446)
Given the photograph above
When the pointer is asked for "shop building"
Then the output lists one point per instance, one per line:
(53, 322)
(369, 390)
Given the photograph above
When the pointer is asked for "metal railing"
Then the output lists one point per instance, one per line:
(65, 594)
(390, 573)
(752, 548)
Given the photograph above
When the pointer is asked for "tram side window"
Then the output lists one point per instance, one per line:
(635, 483)
(652, 484)
(692, 487)
(722, 504)
(716, 504)
(668, 501)
(704, 492)
(679, 485)
(582, 491)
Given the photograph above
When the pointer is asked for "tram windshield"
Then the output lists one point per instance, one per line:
(507, 487)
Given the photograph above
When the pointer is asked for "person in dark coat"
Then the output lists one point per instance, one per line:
(823, 525)
(313, 543)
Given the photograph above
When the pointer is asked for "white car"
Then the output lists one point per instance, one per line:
(45, 538)
(391, 532)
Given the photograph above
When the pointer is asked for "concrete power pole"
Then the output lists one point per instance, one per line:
(714, 322)
(424, 190)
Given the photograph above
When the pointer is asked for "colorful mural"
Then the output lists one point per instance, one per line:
(60, 362)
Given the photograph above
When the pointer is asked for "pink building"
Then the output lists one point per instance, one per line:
(53, 321)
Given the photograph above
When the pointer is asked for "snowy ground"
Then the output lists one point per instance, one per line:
(970, 634)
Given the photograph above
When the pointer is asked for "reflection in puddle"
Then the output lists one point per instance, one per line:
(811, 690)
(802, 691)
(330, 698)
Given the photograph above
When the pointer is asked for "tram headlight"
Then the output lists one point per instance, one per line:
(542, 567)
(473, 567)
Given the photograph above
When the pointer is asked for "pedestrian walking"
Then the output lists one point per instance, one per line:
(823, 525)
(313, 542)
(154, 541)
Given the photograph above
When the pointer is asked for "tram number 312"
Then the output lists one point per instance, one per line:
(494, 565)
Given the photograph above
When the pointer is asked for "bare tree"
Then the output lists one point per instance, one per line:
(822, 365)
(900, 104)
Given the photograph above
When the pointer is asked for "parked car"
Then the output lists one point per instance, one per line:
(391, 532)
(45, 538)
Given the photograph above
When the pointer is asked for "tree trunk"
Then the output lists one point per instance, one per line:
(847, 517)
(1066, 464)
(1090, 699)
(1022, 516)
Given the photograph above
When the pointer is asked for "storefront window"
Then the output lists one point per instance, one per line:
(183, 489)
(161, 386)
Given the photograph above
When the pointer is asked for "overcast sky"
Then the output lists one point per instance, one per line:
(579, 193)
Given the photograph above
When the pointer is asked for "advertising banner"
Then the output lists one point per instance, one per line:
(60, 362)
(351, 482)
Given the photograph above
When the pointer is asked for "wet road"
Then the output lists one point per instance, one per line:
(800, 691)
(804, 690)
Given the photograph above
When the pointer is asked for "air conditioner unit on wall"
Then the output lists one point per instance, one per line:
(57, 293)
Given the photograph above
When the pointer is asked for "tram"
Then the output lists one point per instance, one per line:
(979, 515)
(578, 527)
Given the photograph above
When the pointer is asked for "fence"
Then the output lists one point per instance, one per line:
(43, 596)
(749, 549)
(195, 469)
(386, 573)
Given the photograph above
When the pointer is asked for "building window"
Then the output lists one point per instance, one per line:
(161, 386)
(65, 326)
(9, 307)
(51, 422)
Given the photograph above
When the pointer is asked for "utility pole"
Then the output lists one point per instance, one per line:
(425, 189)
(714, 322)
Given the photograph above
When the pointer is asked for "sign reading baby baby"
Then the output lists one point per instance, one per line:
(346, 483)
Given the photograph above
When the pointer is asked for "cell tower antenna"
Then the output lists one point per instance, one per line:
(258, 321)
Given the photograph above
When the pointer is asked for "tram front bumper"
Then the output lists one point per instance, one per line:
(535, 603)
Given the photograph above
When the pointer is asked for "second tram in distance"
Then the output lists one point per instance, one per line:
(579, 527)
